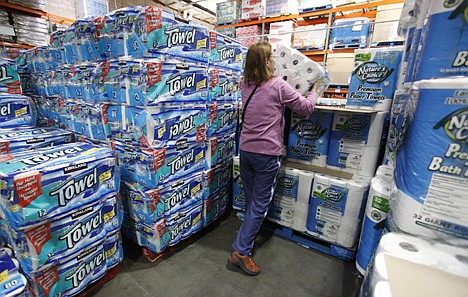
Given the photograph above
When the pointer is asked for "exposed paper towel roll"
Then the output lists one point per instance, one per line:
(295, 60)
(309, 137)
(300, 85)
(407, 17)
(300, 216)
(311, 71)
(374, 221)
(282, 53)
(288, 76)
(431, 175)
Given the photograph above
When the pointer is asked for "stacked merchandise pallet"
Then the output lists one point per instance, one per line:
(164, 100)
(60, 213)
(426, 197)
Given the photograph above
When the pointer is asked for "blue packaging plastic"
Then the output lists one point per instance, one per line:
(16, 111)
(12, 140)
(219, 150)
(225, 52)
(222, 119)
(9, 78)
(224, 85)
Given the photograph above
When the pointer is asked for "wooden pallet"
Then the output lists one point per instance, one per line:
(153, 257)
(317, 8)
(92, 288)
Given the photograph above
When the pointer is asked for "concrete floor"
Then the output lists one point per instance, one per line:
(199, 269)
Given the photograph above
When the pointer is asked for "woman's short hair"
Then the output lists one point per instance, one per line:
(256, 69)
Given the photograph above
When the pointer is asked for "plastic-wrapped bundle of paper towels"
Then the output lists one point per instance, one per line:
(300, 72)
(336, 209)
(409, 266)
(430, 198)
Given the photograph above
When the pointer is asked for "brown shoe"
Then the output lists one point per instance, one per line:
(245, 263)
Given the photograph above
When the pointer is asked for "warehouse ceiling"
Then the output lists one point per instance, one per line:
(199, 10)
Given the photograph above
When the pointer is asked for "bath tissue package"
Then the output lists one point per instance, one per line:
(219, 150)
(238, 195)
(44, 184)
(152, 81)
(309, 138)
(222, 119)
(154, 167)
(225, 52)
(12, 140)
(160, 32)
(444, 41)
(354, 142)
(374, 221)
(224, 85)
(424, 262)
(374, 78)
(16, 111)
(10, 80)
(79, 41)
(432, 176)
(88, 119)
(336, 209)
(80, 83)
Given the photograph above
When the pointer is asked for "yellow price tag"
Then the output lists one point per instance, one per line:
(239, 57)
(199, 156)
(21, 111)
(4, 276)
(89, 152)
(196, 189)
(134, 68)
(105, 176)
(109, 216)
(161, 131)
(201, 84)
(14, 208)
(112, 251)
(2, 185)
(196, 219)
(142, 158)
(201, 43)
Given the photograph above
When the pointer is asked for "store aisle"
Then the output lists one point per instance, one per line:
(200, 270)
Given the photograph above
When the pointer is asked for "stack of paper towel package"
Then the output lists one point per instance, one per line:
(426, 198)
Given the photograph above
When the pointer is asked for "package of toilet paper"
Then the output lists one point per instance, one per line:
(309, 138)
(219, 150)
(238, 195)
(79, 42)
(72, 275)
(184, 223)
(224, 85)
(374, 78)
(88, 119)
(354, 142)
(336, 209)
(215, 205)
(13, 283)
(222, 119)
(431, 176)
(397, 125)
(160, 32)
(225, 52)
(12, 140)
(9, 78)
(59, 83)
(217, 178)
(51, 241)
(154, 167)
(80, 83)
(443, 41)
(47, 183)
(374, 221)
(16, 111)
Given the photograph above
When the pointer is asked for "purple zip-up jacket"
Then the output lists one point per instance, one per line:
(263, 128)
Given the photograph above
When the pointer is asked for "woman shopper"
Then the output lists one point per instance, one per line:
(264, 98)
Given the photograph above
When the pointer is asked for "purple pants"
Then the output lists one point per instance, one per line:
(259, 174)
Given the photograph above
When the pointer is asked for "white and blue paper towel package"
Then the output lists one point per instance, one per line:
(215, 205)
(238, 195)
(353, 31)
(374, 220)
(443, 41)
(225, 52)
(432, 175)
(336, 209)
(222, 118)
(309, 137)
(224, 85)
(354, 142)
(217, 178)
(13, 283)
(219, 150)
(16, 111)
(159, 32)
(12, 140)
(10, 80)
(374, 78)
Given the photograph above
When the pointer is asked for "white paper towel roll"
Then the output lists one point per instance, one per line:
(306, 179)
(300, 85)
(300, 216)
(311, 71)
